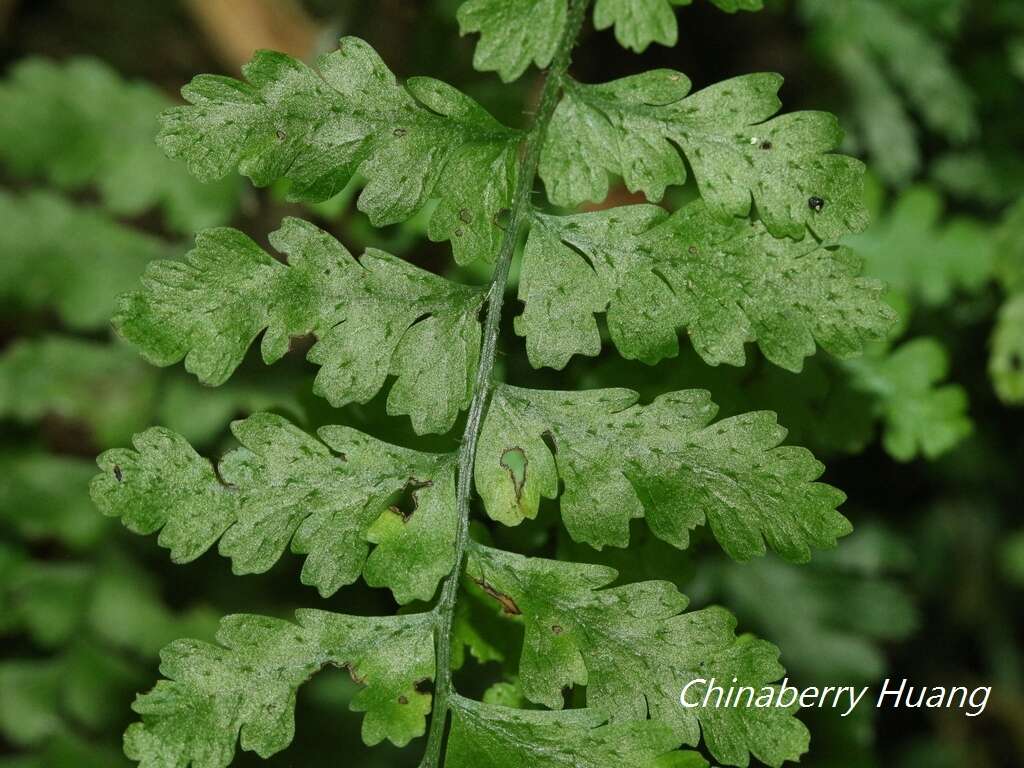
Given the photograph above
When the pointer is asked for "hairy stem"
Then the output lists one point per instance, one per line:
(445, 608)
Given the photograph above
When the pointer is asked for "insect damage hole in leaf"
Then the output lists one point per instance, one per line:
(405, 502)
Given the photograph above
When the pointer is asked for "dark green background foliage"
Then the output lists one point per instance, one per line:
(923, 432)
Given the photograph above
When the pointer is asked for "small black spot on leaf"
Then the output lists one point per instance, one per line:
(118, 475)
(815, 204)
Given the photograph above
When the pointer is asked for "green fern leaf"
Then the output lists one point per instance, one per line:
(328, 498)
(635, 650)
(1006, 361)
(636, 126)
(490, 736)
(664, 461)
(638, 23)
(725, 283)
(920, 260)
(74, 379)
(374, 317)
(73, 260)
(342, 497)
(247, 688)
(919, 416)
(80, 124)
(43, 497)
(513, 33)
(317, 129)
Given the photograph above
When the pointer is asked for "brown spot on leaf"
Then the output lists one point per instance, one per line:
(508, 605)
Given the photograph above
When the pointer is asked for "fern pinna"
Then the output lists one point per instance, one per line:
(753, 259)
